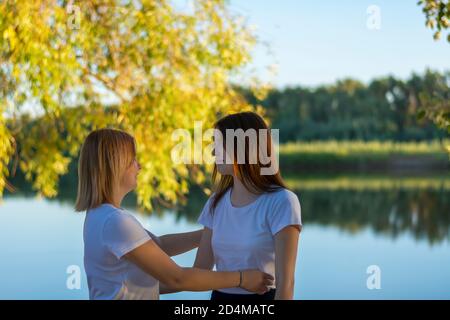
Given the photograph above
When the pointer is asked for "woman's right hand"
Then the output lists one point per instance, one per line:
(155, 262)
(256, 281)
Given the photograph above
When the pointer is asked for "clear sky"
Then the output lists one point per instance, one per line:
(317, 42)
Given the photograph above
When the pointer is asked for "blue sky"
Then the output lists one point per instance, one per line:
(318, 42)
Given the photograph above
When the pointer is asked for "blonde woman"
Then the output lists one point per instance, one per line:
(123, 260)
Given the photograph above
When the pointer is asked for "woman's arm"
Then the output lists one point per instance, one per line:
(203, 260)
(286, 244)
(178, 243)
(165, 289)
(151, 259)
(205, 257)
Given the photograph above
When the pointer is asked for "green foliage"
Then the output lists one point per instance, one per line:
(369, 149)
(6, 151)
(362, 155)
(384, 109)
(436, 103)
(136, 65)
(437, 14)
(435, 100)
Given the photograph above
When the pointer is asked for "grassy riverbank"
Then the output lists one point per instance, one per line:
(360, 155)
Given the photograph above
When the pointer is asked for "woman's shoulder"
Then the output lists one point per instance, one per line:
(222, 198)
(104, 208)
(283, 195)
(109, 214)
(122, 222)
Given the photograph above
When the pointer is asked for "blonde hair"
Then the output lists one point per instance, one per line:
(104, 156)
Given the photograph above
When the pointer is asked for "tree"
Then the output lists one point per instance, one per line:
(67, 67)
(436, 99)
(437, 14)
(383, 109)
(437, 106)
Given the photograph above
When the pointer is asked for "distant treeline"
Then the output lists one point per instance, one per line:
(384, 109)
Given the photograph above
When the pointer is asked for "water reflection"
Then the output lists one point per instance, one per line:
(423, 213)
(391, 206)
(388, 205)
(398, 223)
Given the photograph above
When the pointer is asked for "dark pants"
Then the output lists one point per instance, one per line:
(220, 296)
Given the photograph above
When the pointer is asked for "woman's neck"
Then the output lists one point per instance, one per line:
(240, 195)
(117, 198)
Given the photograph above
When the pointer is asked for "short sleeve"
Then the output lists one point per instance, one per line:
(154, 237)
(122, 233)
(206, 218)
(285, 212)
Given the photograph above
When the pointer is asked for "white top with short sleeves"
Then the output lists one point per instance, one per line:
(110, 233)
(243, 237)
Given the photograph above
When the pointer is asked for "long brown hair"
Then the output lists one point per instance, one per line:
(104, 156)
(249, 173)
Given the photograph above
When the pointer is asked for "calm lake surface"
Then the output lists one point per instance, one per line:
(399, 223)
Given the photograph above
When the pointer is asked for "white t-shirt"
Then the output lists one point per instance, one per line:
(243, 237)
(110, 233)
